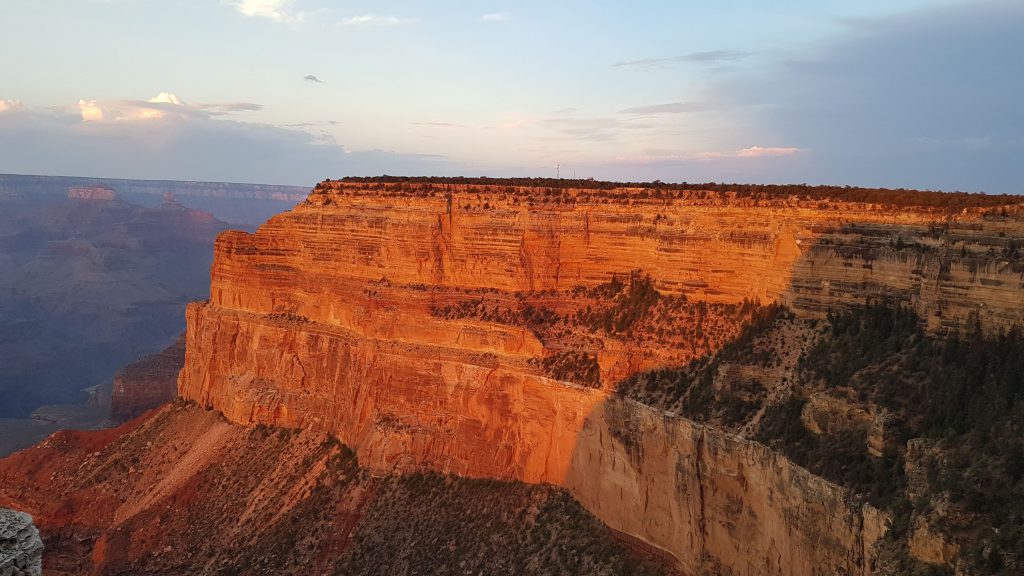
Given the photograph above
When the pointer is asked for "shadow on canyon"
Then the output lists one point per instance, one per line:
(723, 503)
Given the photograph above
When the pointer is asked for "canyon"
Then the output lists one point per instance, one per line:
(236, 203)
(88, 283)
(483, 329)
(325, 319)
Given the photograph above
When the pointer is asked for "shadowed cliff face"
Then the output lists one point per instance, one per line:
(148, 383)
(447, 328)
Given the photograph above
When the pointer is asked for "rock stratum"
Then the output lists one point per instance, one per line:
(480, 330)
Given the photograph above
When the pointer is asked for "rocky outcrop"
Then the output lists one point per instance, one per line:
(170, 202)
(21, 549)
(98, 192)
(325, 319)
(148, 383)
(931, 546)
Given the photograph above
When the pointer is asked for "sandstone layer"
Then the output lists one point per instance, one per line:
(326, 319)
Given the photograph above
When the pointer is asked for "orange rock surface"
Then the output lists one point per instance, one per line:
(324, 320)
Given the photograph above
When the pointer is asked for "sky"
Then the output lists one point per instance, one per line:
(894, 93)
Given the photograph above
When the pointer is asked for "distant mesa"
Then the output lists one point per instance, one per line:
(100, 192)
(171, 201)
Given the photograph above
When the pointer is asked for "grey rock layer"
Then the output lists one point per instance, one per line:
(21, 549)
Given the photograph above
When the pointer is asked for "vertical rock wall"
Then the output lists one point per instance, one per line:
(322, 320)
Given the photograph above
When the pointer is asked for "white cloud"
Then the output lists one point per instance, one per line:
(163, 105)
(276, 10)
(10, 106)
(761, 151)
(496, 17)
(166, 98)
(285, 11)
(686, 157)
(90, 111)
(373, 20)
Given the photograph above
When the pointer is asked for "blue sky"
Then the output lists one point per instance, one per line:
(916, 93)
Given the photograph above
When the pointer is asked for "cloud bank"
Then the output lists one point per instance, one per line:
(707, 57)
(164, 137)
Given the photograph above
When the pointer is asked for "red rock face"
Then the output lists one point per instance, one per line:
(327, 319)
(148, 383)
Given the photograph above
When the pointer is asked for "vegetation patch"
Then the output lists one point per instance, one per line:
(435, 524)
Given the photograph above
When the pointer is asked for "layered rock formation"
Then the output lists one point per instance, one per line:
(96, 192)
(326, 319)
(239, 204)
(21, 549)
(148, 383)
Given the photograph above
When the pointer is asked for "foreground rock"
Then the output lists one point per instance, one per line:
(481, 330)
(21, 549)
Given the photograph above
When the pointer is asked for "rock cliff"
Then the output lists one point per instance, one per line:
(479, 330)
(147, 383)
(21, 549)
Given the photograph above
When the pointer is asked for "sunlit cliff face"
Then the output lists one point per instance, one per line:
(463, 328)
